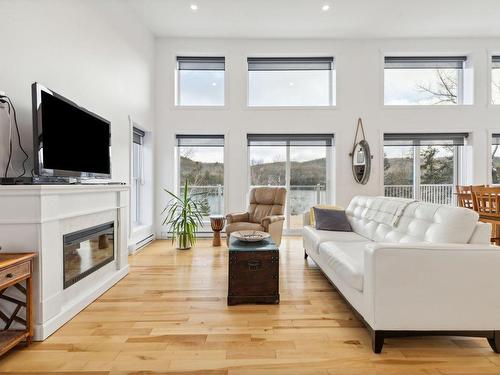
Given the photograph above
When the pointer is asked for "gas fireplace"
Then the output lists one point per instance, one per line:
(86, 251)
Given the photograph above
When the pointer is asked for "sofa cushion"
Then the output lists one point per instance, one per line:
(346, 260)
(324, 207)
(420, 222)
(313, 237)
(335, 220)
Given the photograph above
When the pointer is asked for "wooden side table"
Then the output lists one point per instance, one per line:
(217, 223)
(16, 269)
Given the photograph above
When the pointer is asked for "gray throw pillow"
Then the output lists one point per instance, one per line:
(331, 220)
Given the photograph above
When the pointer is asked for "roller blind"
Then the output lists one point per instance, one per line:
(138, 136)
(200, 140)
(495, 62)
(200, 63)
(289, 63)
(309, 140)
(424, 62)
(495, 139)
(425, 139)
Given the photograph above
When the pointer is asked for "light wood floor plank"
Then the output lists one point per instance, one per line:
(169, 316)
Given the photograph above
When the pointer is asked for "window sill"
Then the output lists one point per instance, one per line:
(285, 107)
(201, 107)
(427, 106)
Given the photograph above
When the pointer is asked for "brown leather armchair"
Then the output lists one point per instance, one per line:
(265, 213)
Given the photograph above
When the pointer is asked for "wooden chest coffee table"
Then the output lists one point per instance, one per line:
(253, 272)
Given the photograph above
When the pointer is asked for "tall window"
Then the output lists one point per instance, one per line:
(288, 82)
(299, 162)
(423, 166)
(495, 158)
(201, 164)
(200, 81)
(137, 174)
(425, 81)
(495, 79)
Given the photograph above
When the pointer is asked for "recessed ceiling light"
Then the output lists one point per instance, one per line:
(193, 7)
(214, 84)
(291, 83)
(325, 7)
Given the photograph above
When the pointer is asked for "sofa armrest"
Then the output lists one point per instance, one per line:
(237, 217)
(426, 286)
(268, 220)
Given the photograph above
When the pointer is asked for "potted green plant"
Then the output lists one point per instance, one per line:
(184, 215)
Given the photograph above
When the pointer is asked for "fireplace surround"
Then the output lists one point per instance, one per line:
(38, 218)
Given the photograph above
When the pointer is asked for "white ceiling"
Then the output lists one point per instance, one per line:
(305, 19)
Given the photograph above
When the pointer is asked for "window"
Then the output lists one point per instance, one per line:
(200, 81)
(495, 79)
(495, 158)
(290, 82)
(425, 81)
(423, 166)
(201, 163)
(137, 175)
(299, 162)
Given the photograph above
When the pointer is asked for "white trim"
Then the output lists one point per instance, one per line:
(42, 331)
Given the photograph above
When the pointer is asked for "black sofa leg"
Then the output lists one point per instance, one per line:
(305, 255)
(495, 341)
(377, 342)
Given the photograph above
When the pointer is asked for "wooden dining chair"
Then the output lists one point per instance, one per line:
(464, 196)
(486, 202)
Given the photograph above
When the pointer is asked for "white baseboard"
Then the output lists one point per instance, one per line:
(42, 331)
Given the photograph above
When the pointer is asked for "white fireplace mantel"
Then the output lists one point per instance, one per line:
(35, 218)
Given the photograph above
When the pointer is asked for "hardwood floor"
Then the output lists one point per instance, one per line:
(169, 315)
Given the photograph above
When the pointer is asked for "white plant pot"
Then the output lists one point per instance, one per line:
(183, 243)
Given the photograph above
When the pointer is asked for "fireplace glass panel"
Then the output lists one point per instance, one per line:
(86, 251)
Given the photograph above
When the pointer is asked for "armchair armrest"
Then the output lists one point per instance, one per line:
(432, 286)
(268, 220)
(237, 217)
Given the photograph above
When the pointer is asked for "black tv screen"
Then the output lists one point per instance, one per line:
(69, 140)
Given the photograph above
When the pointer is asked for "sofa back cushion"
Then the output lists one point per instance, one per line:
(419, 222)
(266, 201)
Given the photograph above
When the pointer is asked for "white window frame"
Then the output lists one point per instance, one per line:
(206, 229)
(177, 88)
(466, 81)
(137, 181)
(287, 230)
(332, 89)
(459, 175)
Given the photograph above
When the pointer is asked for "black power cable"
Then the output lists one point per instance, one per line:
(3, 97)
(10, 138)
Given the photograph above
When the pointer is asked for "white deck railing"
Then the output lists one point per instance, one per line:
(433, 193)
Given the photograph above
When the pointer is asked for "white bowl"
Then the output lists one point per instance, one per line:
(250, 235)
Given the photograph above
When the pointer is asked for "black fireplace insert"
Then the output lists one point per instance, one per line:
(86, 251)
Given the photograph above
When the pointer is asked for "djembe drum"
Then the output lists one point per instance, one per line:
(217, 222)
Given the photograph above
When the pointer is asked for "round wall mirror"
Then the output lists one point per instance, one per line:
(361, 162)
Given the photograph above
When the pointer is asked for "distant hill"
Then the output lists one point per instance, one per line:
(310, 172)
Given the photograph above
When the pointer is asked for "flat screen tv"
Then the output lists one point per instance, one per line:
(69, 141)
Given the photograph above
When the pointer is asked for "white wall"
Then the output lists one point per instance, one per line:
(359, 65)
(94, 52)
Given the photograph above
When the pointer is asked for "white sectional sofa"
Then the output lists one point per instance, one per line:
(432, 273)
